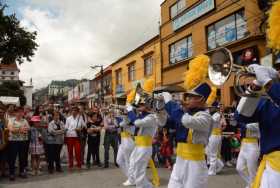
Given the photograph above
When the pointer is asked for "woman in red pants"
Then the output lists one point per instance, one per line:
(73, 126)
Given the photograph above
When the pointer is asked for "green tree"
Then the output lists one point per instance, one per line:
(16, 43)
(13, 89)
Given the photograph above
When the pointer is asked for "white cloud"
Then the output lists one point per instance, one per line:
(76, 34)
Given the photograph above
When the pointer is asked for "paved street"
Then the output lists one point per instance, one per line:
(109, 178)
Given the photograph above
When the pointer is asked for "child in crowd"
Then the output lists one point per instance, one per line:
(36, 145)
(166, 149)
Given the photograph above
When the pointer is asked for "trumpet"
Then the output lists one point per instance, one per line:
(150, 100)
(220, 68)
(117, 106)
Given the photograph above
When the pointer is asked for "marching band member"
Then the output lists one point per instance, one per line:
(125, 149)
(127, 144)
(146, 124)
(215, 142)
(247, 162)
(193, 127)
(266, 112)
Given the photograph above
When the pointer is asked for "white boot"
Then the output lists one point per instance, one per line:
(128, 183)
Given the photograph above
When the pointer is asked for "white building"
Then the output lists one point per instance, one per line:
(9, 72)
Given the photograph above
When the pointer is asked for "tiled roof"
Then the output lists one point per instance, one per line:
(12, 66)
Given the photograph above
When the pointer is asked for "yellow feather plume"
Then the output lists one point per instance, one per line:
(212, 97)
(197, 73)
(130, 96)
(273, 32)
(149, 85)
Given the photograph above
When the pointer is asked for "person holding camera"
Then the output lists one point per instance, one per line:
(73, 126)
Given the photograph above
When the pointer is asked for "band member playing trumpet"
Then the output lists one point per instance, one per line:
(247, 162)
(265, 111)
(146, 123)
(215, 141)
(193, 125)
(127, 144)
(193, 128)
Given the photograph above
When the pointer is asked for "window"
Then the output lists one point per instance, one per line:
(119, 77)
(229, 29)
(148, 66)
(180, 50)
(177, 8)
(3, 72)
(131, 72)
(12, 73)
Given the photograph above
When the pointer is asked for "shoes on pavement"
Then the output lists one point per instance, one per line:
(128, 183)
(228, 164)
(23, 175)
(211, 174)
(220, 167)
(88, 165)
(12, 178)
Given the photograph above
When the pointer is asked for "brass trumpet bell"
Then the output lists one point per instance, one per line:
(149, 100)
(220, 68)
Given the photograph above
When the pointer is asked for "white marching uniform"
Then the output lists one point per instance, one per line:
(142, 152)
(214, 146)
(126, 147)
(247, 162)
(190, 171)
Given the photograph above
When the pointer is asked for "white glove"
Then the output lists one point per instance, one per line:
(264, 74)
(129, 107)
(166, 96)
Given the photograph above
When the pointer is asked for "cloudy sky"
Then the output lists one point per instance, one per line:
(73, 35)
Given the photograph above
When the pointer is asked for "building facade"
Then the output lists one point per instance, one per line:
(193, 27)
(140, 64)
(9, 72)
(95, 96)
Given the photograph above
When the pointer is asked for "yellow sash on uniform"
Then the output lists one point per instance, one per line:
(143, 141)
(216, 131)
(125, 134)
(189, 151)
(273, 160)
(249, 140)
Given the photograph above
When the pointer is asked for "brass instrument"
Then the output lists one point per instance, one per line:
(220, 68)
(150, 100)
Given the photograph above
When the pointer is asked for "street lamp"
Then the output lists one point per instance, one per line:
(101, 80)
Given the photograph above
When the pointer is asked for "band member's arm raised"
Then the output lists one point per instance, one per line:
(161, 118)
(148, 121)
(199, 122)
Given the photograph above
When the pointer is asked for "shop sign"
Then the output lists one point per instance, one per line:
(194, 13)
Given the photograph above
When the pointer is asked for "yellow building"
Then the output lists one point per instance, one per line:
(193, 27)
(140, 64)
